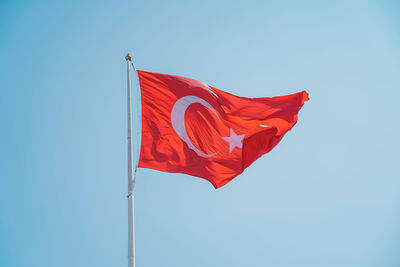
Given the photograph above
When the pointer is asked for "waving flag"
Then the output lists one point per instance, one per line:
(193, 128)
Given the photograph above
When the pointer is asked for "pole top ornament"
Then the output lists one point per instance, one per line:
(128, 57)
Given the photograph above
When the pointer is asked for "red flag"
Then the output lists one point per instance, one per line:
(190, 127)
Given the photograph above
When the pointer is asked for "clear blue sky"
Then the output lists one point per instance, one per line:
(327, 195)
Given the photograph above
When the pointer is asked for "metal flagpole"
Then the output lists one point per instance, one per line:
(131, 179)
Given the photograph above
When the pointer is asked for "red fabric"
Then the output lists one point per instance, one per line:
(215, 122)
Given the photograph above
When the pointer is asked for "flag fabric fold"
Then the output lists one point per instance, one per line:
(190, 127)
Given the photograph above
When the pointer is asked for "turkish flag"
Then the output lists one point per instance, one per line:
(193, 128)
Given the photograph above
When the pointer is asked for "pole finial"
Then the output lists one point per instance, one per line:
(128, 57)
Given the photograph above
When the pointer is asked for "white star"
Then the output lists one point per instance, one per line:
(234, 140)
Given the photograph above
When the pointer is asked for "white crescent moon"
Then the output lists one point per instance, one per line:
(178, 120)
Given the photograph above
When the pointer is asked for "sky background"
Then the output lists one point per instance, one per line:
(327, 195)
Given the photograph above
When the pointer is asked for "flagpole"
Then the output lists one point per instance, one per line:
(131, 180)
